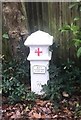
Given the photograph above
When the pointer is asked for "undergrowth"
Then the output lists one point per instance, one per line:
(13, 85)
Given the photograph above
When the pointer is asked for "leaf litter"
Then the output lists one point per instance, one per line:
(42, 109)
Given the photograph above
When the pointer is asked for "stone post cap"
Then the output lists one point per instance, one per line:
(39, 38)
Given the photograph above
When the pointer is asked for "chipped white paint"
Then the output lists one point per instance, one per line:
(39, 57)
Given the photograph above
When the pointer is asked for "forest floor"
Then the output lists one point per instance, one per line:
(68, 109)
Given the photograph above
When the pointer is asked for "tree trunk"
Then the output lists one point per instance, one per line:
(15, 23)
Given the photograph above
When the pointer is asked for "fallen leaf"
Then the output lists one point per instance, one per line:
(44, 109)
(48, 111)
(10, 114)
(48, 116)
(30, 113)
(48, 104)
(41, 102)
(55, 116)
(18, 114)
(43, 116)
(26, 109)
(13, 116)
(65, 94)
(67, 111)
(36, 115)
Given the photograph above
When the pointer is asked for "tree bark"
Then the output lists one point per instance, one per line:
(15, 23)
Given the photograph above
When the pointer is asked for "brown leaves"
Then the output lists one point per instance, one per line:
(16, 115)
(40, 110)
(40, 102)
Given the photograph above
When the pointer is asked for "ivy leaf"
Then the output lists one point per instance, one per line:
(79, 52)
(65, 28)
(77, 42)
(63, 31)
(76, 19)
(72, 5)
(74, 29)
(5, 36)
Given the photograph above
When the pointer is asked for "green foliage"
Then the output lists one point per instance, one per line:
(5, 36)
(54, 84)
(66, 78)
(70, 75)
(13, 73)
(16, 68)
(79, 52)
(75, 29)
(76, 5)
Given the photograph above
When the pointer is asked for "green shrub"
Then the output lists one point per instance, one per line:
(54, 85)
(75, 29)
(66, 78)
(13, 73)
(70, 75)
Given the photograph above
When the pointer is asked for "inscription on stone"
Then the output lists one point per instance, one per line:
(39, 69)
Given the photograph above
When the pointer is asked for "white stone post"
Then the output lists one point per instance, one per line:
(39, 57)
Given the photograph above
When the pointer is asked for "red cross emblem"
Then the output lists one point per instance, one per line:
(38, 52)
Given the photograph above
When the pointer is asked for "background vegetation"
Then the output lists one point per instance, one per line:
(62, 20)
